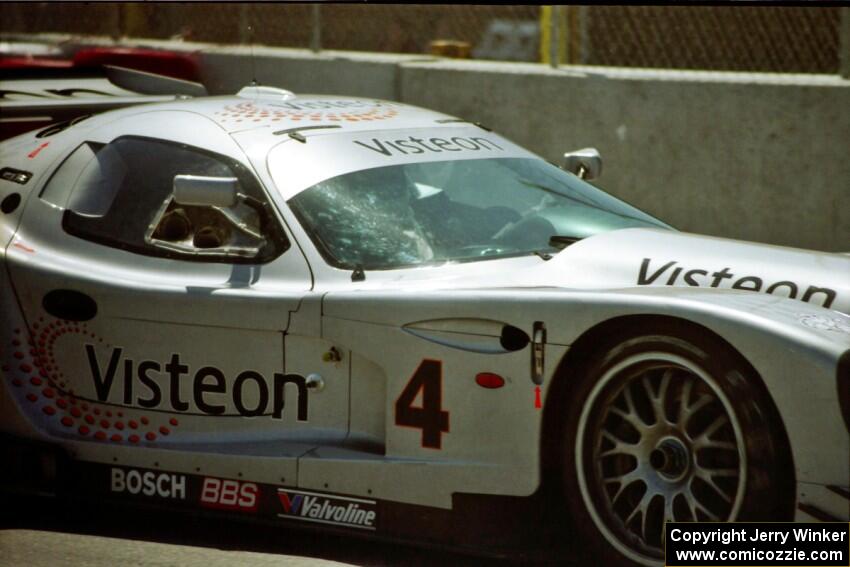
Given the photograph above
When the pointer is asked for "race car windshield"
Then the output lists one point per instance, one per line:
(455, 211)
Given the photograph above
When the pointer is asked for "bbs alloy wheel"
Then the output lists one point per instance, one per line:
(660, 443)
(664, 430)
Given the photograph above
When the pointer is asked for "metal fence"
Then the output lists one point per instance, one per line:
(747, 38)
(742, 38)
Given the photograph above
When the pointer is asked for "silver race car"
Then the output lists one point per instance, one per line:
(370, 317)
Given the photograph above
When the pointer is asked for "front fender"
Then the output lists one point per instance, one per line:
(794, 347)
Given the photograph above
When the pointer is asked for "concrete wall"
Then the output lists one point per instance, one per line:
(753, 156)
(760, 157)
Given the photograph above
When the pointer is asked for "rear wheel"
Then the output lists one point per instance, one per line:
(667, 428)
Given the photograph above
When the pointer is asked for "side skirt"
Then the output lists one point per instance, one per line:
(519, 528)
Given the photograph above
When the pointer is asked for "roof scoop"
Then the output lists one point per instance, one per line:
(259, 92)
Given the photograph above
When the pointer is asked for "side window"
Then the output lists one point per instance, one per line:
(59, 188)
(123, 196)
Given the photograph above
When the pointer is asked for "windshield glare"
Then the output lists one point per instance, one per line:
(454, 211)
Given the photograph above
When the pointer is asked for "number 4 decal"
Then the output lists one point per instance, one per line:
(429, 417)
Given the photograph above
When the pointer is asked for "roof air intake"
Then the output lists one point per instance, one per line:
(258, 92)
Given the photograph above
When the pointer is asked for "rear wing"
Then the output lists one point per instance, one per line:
(34, 98)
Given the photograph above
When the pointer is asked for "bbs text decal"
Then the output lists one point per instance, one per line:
(229, 494)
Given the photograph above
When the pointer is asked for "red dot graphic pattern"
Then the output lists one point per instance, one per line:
(248, 113)
(32, 369)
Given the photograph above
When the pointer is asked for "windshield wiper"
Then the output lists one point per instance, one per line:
(557, 241)
(358, 275)
(560, 241)
(295, 133)
(462, 121)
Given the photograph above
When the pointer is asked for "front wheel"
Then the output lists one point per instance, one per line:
(668, 428)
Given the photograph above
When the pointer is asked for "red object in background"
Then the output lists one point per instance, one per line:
(28, 62)
(169, 63)
(177, 65)
(87, 63)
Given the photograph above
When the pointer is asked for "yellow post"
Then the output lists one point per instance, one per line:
(136, 20)
(547, 13)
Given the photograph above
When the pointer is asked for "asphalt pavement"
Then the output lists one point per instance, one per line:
(42, 532)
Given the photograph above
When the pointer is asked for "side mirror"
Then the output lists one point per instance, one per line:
(233, 228)
(586, 163)
(205, 191)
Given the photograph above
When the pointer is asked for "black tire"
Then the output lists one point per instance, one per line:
(721, 457)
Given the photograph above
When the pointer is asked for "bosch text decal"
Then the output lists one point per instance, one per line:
(149, 483)
(324, 509)
(705, 278)
(212, 394)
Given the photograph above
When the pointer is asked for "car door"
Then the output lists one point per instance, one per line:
(145, 334)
